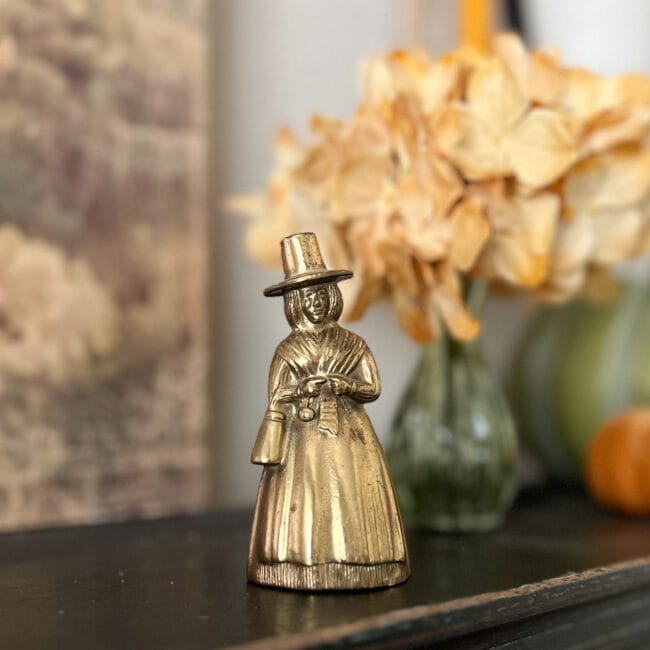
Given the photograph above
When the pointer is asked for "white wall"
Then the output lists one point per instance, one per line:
(279, 61)
(607, 36)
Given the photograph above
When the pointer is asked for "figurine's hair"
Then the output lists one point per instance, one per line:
(295, 314)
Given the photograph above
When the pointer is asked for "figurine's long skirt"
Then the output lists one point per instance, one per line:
(327, 517)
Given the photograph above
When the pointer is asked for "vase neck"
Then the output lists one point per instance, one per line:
(475, 293)
(439, 353)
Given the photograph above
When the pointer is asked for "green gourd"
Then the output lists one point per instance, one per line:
(578, 365)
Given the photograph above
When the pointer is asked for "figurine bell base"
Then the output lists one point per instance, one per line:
(330, 576)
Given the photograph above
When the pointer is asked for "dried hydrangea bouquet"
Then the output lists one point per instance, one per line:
(474, 169)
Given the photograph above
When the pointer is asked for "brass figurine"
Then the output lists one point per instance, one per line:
(326, 516)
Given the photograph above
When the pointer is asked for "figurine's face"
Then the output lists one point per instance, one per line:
(315, 302)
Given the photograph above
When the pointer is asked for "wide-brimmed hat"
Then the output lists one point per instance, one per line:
(303, 265)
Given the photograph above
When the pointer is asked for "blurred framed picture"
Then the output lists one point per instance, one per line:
(102, 260)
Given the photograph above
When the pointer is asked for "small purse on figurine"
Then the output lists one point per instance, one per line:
(271, 439)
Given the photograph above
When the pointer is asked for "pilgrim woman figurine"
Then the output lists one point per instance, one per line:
(326, 514)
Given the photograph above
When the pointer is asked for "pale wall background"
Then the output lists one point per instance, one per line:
(276, 62)
(279, 62)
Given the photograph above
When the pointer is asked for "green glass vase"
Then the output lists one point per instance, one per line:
(453, 445)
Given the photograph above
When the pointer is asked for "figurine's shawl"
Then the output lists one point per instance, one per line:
(332, 351)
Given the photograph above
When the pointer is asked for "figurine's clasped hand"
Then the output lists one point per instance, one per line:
(341, 385)
(311, 386)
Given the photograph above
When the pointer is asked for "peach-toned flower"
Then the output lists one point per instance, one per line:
(538, 74)
(607, 200)
(385, 78)
(523, 234)
(503, 166)
(495, 132)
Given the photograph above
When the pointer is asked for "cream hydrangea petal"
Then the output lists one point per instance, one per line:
(377, 80)
(336, 252)
(410, 65)
(363, 293)
(462, 325)
(385, 77)
(288, 151)
(419, 229)
(471, 230)
(585, 94)
(469, 143)
(258, 238)
(366, 239)
(560, 287)
(326, 127)
(609, 130)
(366, 136)
(413, 318)
(511, 50)
(533, 219)
(544, 81)
(573, 248)
(413, 203)
(431, 243)
(495, 96)
(253, 206)
(634, 89)
(541, 148)
(263, 233)
(362, 186)
(617, 179)
(441, 82)
(538, 73)
(440, 180)
(523, 234)
(616, 235)
(401, 269)
(574, 244)
(644, 233)
(582, 184)
(511, 262)
(449, 302)
(320, 163)
(470, 56)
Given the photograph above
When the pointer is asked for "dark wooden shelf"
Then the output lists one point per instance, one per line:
(560, 573)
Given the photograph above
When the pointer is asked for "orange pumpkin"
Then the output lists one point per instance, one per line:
(618, 463)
